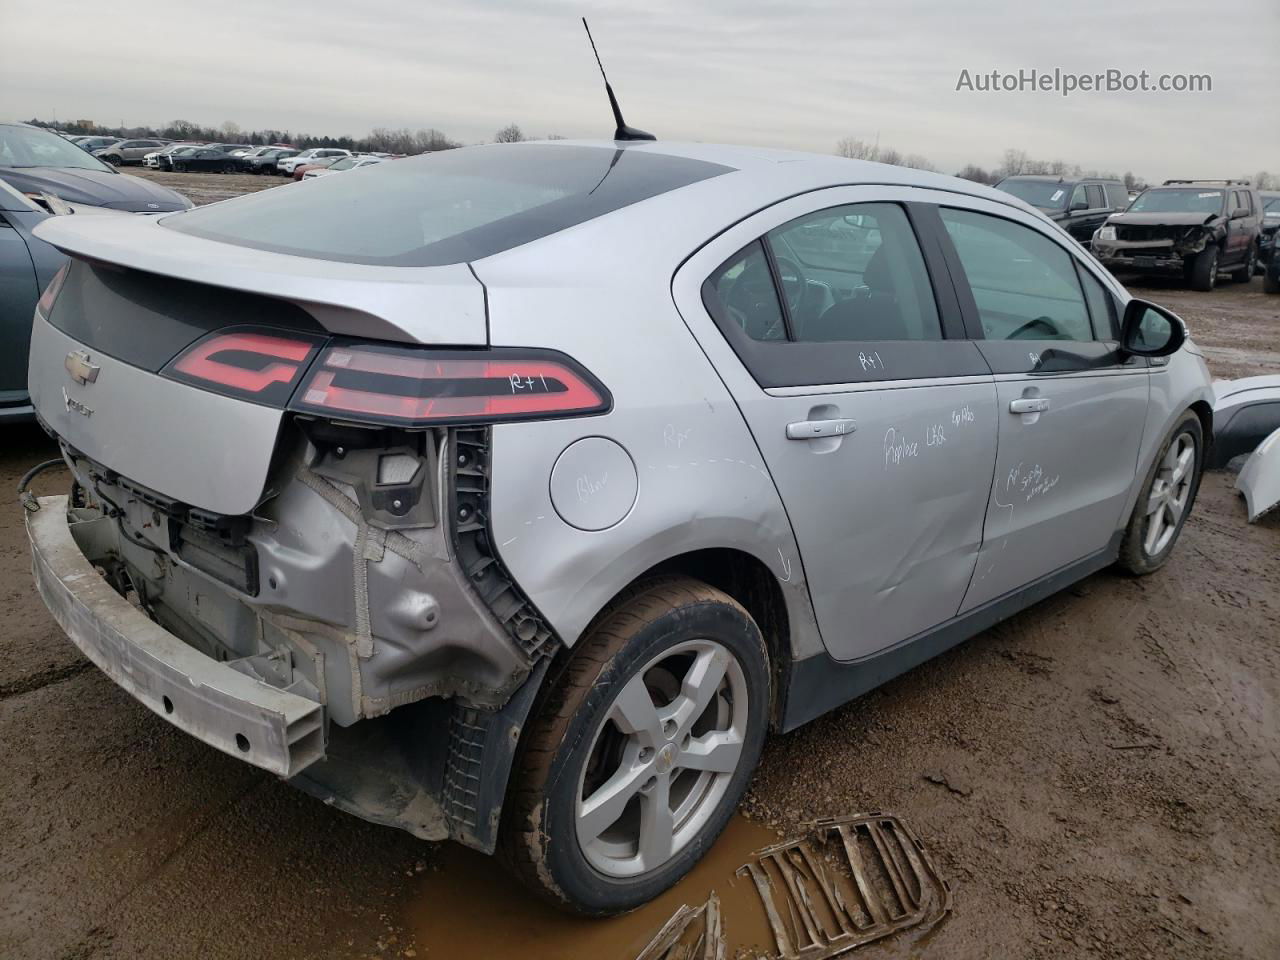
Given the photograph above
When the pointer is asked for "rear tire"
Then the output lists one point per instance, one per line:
(663, 705)
(1202, 273)
(114, 160)
(1166, 499)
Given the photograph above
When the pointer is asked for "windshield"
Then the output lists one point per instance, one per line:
(32, 147)
(1045, 194)
(1182, 200)
(1271, 205)
(446, 207)
(346, 163)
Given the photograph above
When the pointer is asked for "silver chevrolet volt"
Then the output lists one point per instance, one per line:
(512, 494)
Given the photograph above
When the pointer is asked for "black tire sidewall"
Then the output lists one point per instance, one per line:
(586, 889)
(1133, 557)
(1204, 269)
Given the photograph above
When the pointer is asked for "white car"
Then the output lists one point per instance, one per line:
(153, 159)
(287, 165)
(346, 163)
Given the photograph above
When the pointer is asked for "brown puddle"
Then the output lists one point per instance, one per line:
(468, 907)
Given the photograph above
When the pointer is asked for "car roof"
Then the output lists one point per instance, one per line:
(1051, 178)
(790, 169)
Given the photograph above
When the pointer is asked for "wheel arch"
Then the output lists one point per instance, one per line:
(1204, 411)
(751, 583)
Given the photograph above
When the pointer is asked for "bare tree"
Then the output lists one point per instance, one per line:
(230, 131)
(1015, 162)
(917, 162)
(431, 140)
(856, 149)
(509, 134)
(1264, 180)
(977, 174)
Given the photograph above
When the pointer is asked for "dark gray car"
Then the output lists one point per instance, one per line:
(34, 161)
(27, 264)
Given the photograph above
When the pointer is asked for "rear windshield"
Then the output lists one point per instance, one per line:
(446, 207)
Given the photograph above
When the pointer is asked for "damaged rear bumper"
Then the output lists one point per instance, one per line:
(263, 725)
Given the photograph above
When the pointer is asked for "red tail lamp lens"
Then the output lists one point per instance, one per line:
(258, 365)
(406, 386)
(45, 303)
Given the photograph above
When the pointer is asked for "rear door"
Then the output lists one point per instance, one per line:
(1071, 410)
(1239, 229)
(873, 412)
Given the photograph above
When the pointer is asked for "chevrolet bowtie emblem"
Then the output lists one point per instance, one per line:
(81, 370)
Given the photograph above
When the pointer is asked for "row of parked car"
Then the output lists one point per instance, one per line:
(275, 159)
(1196, 229)
(184, 156)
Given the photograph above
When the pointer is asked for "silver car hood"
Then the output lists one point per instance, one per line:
(437, 305)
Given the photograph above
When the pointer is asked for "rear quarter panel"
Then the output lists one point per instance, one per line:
(601, 292)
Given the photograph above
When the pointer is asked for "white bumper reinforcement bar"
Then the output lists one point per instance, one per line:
(241, 716)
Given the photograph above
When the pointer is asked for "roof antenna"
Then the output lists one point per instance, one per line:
(623, 132)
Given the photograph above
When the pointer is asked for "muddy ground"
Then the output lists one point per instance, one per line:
(1098, 776)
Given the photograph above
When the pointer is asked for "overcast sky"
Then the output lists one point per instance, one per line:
(799, 74)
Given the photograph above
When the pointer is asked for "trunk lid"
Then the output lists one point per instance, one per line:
(434, 305)
(146, 296)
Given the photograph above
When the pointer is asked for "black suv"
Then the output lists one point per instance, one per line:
(1270, 228)
(1079, 206)
(1195, 228)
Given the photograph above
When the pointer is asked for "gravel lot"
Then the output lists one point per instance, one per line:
(1097, 776)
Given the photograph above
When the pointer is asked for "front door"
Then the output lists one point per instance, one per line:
(1071, 411)
(874, 414)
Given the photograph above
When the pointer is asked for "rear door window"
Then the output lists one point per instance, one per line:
(1096, 200)
(854, 273)
(744, 289)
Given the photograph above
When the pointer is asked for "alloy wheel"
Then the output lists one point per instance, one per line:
(662, 759)
(1170, 490)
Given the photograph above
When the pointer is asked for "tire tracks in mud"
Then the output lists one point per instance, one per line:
(42, 679)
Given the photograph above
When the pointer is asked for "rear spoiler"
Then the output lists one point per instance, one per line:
(432, 305)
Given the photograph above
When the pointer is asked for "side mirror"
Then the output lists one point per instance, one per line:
(1239, 213)
(1151, 331)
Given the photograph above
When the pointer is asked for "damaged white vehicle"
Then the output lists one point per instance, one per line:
(512, 494)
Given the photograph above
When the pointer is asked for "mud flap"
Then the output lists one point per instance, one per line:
(482, 748)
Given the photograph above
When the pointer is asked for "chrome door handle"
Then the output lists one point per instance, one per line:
(812, 429)
(1029, 405)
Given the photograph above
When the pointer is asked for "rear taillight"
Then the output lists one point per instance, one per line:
(45, 304)
(250, 363)
(406, 386)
